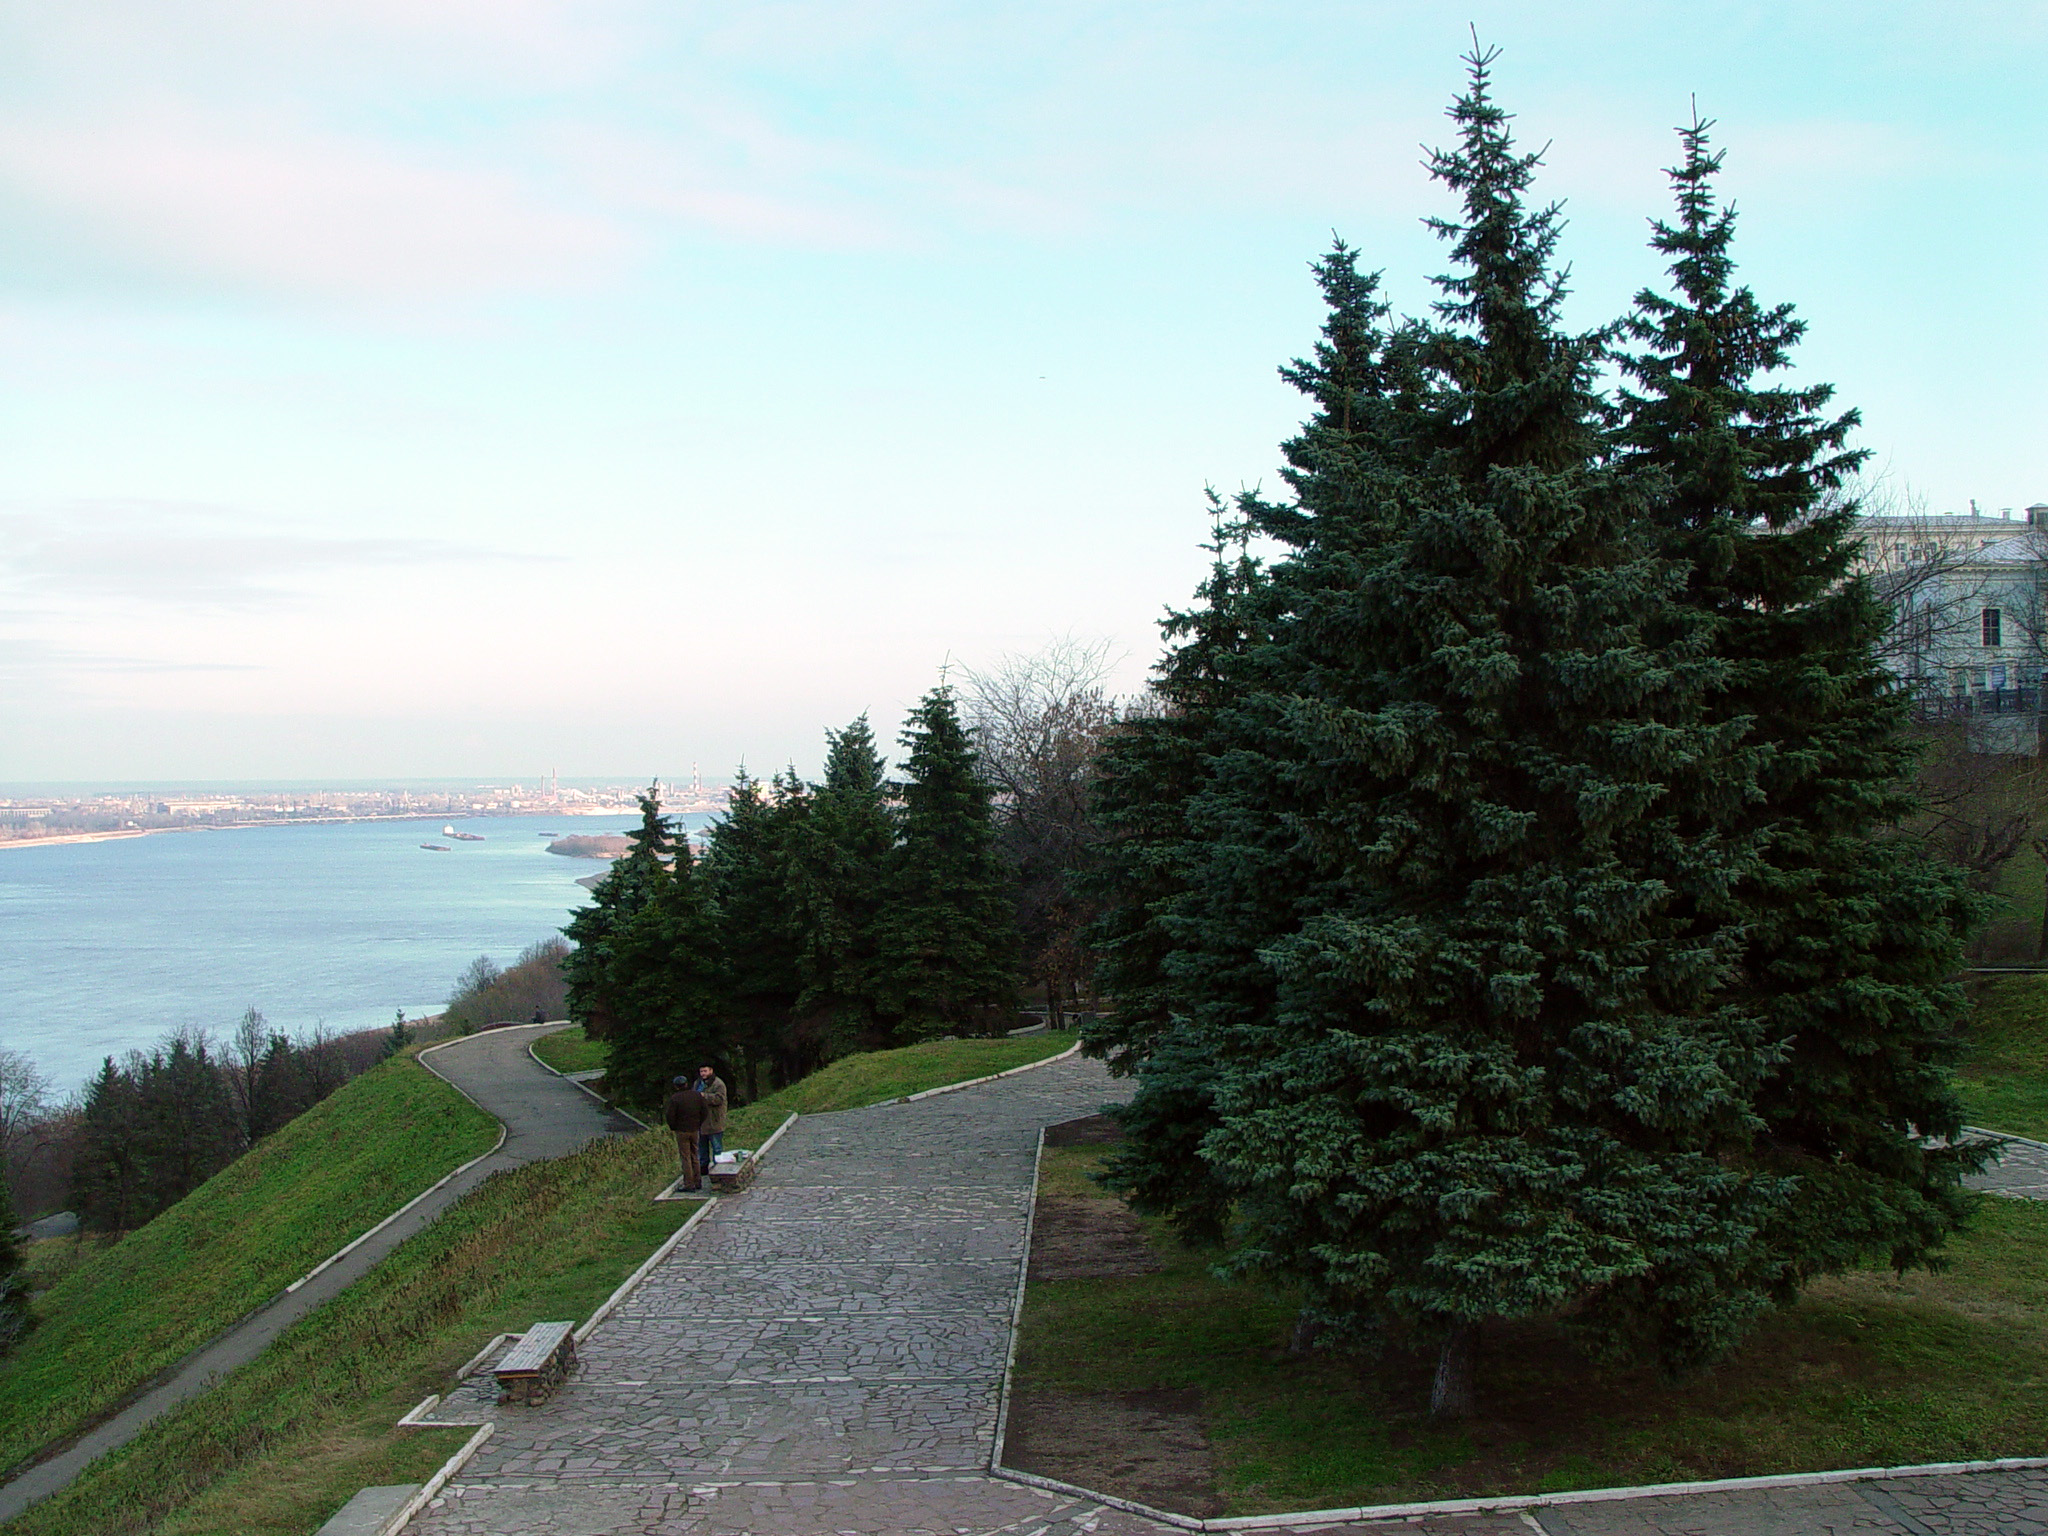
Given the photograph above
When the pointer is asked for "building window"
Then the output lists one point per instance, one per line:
(1998, 677)
(1993, 626)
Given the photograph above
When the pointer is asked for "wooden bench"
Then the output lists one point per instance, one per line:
(537, 1364)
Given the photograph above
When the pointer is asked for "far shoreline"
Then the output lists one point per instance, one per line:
(61, 838)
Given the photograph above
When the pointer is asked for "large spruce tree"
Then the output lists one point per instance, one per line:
(1456, 1045)
(948, 949)
(1851, 936)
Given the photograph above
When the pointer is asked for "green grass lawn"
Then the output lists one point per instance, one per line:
(875, 1077)
(570, 1050)
(117, 1314)
(1870, 1369)
(282, 1444)
(2004, 1073)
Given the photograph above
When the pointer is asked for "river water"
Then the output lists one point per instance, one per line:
(106, 946)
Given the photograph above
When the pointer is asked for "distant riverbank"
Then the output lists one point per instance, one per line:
(106, 945)
(56, 838)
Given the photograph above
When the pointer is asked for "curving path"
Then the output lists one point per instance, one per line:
(544, 1116)
(824, 1356)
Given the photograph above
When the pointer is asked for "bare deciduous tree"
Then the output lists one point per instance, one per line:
(1037, 721)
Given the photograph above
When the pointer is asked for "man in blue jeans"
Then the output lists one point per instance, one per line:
(711, 1136)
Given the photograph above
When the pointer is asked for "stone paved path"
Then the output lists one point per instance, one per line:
(2021, 1170)
(824, 1356)
(544, 1116)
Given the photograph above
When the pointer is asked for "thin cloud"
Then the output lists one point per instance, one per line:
(157, 552)
(259, 201)
(25, 656)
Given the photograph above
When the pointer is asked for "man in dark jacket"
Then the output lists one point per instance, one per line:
(685, 1113)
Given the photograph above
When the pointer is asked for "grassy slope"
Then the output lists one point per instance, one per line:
(878, 1076)
(569, 1050)
(124, 1312)
(1870, 1369)
(2004, 1076)
(280, 1446)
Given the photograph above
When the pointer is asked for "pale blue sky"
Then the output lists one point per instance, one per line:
(422, 387)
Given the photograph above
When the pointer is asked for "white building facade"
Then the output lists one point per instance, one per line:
(1969, 601)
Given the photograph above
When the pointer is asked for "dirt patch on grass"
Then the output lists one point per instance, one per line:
(1088, 1131)
(1080, 1239)
(1149, 1446)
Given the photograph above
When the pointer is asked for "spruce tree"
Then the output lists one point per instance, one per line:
(835, 858)
(1461, 1056)
(1851, 938)
(948, 946)
(629, 885)
(743, 874)
(1149, 774)
(668, 986)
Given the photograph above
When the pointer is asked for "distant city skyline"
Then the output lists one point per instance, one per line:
(402, 391)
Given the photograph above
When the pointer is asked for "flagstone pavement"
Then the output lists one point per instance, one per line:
(824, 1355)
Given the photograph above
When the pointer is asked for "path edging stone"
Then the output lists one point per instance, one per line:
(1364, 1513)
(2025, 1141)
(627, 1285)
(503, 1132)
(567, 1078)
(995, 1460)
(976, 1082)
(439, 1480)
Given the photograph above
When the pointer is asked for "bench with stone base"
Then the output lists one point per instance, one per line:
(537, 1364)
(730, 1178)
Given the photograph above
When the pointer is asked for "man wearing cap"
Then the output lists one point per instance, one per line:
(684, 1113)
(711, 1137)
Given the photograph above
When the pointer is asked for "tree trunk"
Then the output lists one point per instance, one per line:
(1055, 1016)
(1450, 1396)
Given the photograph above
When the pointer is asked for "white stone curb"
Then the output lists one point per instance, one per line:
(437, 1482)
(626, 1285)
(1367, 1513)
(576, 1082)
(995, 1460)
(2025, 1141)
(976, 1082)
(342, 1253)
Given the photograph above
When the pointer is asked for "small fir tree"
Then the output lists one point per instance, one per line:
(668, 985)
(629, 885)
(743, 874)
(835, 858)
(949, 946)
(399, 1037)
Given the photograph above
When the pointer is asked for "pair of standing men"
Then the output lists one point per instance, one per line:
(695, 1111)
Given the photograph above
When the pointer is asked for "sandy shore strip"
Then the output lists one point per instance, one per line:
(82, 837)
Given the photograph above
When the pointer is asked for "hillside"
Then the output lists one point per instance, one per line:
(278, 1447)
(2004, 1071)
(123, 1313)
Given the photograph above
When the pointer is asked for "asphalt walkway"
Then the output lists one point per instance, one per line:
(824, 1355)
(544, 1116)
